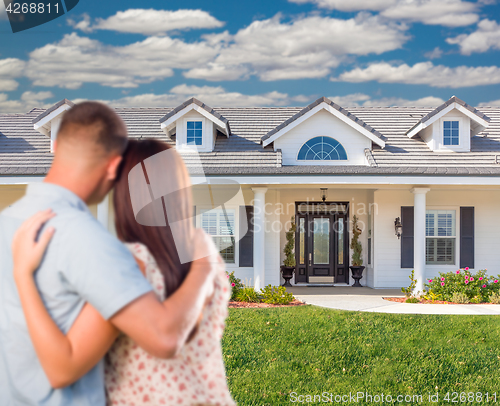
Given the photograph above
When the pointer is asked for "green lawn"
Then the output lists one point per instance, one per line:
(270, 353)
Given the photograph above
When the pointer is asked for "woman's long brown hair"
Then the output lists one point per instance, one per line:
(158, 239)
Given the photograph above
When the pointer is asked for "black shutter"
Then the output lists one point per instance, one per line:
(407, 237)
(466, 237)
(246, 241)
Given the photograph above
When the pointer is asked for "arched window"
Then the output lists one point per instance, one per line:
(322, 149)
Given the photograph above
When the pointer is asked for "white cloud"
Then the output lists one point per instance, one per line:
(304, 48)
(149, 21)
(436, 53)
(424, 73)
(487, 36)
(350, 5)
(27, 101)
(76, 60)
(360, 99)
(10, 68)
(451, 13)
(214, 96)
(493, 103)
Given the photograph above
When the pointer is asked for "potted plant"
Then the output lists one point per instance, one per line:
(288, 267)
(357, 262)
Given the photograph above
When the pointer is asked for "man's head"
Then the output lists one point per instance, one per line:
(88, 150)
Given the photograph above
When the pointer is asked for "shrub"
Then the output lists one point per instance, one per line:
(495, 297)
(356, 246)
(412, 300)
(432, 296)
(409, 290)
(459, 297)
(276, 295)
(247, 294)
(236, 285)
(477, 287)
(289, 249)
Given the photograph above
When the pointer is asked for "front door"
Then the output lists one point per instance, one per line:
(321, 245)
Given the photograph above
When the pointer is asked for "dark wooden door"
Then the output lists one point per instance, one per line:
(321, 247)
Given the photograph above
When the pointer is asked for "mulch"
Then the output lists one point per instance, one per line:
(403, 299)
(233, 304)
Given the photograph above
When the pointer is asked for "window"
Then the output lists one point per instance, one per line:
(220, 225)
(450, 133)
(194, 133)
(440, 231)
(322, 149)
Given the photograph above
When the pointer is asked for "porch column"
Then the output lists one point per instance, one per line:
(259, 216)
(103, 212)
(419, 205)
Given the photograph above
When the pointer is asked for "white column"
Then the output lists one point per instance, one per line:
(419, 205)
(103, 212)
(54, 129)
(259, 217)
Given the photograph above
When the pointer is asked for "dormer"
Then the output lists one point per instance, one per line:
(194, 125)
(49, 121)
(324, 133)
(449, 127)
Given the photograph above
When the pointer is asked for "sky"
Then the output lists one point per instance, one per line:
(156, 53)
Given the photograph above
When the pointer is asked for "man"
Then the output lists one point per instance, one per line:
(84, 263)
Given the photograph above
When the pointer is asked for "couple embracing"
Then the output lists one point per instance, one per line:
(87, 319)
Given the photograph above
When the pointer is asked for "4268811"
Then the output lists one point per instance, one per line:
(32, 8)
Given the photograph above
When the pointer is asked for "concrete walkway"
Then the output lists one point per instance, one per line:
(370, 300)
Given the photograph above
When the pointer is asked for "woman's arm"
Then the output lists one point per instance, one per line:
(64, 358)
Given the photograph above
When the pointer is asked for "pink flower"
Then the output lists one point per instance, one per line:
(471, 278)
(481, 278)
(430, 280)
(466, 276)
(442, 279)
(458, 271)
(233, 284)
(442, 283)
(483, 286)
(466, 268)
(495, 281)
(466, 282)
(227, 276)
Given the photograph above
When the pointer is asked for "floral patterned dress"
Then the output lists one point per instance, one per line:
(195, 377)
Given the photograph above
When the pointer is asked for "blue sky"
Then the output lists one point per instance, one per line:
(258, 53)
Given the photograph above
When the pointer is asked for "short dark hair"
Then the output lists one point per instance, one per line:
(97, 122)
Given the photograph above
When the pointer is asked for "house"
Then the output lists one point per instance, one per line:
(435, 171)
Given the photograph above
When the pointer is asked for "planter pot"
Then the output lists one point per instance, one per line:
(357, 274)
(287, 273)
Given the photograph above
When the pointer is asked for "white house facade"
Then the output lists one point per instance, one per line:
(434, 171)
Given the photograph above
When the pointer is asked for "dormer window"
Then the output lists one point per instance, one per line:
(451, 135)
(194, 134)
(322, 149)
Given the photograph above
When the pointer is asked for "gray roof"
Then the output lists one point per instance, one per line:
(24, 151)
(453, 99)
(53, 108)
(335, 106)
(198, 103)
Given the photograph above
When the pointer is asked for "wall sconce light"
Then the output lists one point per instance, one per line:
(324, 193)
(398, 227)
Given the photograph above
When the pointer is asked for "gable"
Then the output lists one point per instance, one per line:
(323, 124)
(331, 107)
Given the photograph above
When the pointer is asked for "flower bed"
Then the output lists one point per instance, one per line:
(459, 287)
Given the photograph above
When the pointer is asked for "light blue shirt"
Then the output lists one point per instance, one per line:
(84, 263)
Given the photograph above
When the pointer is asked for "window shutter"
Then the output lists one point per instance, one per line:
(407, 237)
(466, 237)
(246, 241)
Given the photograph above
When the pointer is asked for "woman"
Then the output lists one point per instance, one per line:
(196, 376)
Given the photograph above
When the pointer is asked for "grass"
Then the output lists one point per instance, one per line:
(272, 352)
